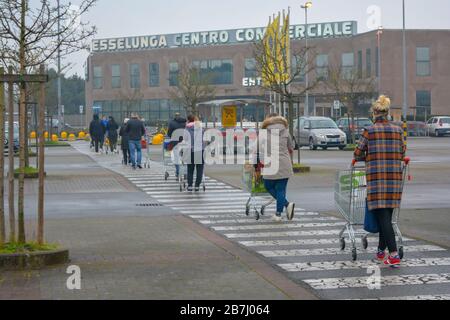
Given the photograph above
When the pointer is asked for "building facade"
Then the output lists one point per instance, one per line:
(139, 73)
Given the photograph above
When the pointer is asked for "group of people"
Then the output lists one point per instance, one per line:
(381, 146)
(131, 132)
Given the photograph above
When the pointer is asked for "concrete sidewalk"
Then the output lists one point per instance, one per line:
(135, 253)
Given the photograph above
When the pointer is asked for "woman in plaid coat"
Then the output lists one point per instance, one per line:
(382, 148)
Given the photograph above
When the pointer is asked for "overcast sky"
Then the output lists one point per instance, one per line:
(117, 18)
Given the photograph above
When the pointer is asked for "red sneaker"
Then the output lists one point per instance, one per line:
(381, 255)
(393, 261)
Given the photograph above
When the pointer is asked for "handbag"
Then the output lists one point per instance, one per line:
(370, 221)
(143, 144)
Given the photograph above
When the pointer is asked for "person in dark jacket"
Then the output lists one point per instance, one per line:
(112, 128)
(96, 132)
(136, 130)
(194, 134)
(125, 142)
(177, 123)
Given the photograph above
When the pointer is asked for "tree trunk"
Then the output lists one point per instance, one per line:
(40, 133)
(22, 123)
(11, 187)
(27, 155)
(291, 115)
(2, 162)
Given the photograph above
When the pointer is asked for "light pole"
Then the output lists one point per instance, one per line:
(405, 66)
(306, 6)
(59, 70)
(379, 33)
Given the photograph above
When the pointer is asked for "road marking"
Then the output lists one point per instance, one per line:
(348, 265)
(201, 195)
(327, 232)
(361, 282)
(265, 220)
(280, 226)
(197, 200)
(337, 251)
(294, 242)
(169, 194)
(437, 297)
(147, 187)
(232, 216)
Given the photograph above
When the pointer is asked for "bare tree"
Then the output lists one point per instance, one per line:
(283, 70)
(30, 35)
(131, 98)
(193, 87)
(2, 162)
(350, 87)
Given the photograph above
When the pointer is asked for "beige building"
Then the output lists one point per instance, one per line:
(138, 73)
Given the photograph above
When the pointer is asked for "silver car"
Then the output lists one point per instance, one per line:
(438, 126)
(319, 132)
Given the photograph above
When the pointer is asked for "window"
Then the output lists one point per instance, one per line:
(153, 71)
(368, 63)
(115, 76)
(173, 74)
(423, 64)
(250, 68)
(217, 72)
(348, 64)
(360, 65)
(98, 78)
(298, 69)
(322, 66)
(423, 102)
(135, 76)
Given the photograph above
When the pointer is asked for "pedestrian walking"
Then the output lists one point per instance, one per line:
(383, 149)
(194, 136)
(135, 130)
(96, 132)
(111, 129)
(276, 183)
(104, 122)
(125, 142)
(177, 123)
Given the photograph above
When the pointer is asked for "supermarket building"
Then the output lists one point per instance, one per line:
(138, 73)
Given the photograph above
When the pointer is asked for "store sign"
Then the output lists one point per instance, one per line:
(252, 82)
(229, 117)
(223, 37)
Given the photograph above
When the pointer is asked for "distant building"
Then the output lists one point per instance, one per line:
(136, 73)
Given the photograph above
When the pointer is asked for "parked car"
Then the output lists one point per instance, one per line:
(318, 132)
(357, 126)
(438, 126)
(16, 137)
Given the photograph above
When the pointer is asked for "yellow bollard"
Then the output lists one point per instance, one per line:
(158, 139)
(55, 138)
(33, 135)
(46, 134)
(81, 135)
(64, 135)
(71, 137)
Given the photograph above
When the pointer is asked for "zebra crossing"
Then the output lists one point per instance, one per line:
(307, 248)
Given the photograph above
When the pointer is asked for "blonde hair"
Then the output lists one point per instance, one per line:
(382, 105)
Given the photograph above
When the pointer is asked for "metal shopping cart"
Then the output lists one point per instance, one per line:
(351, 197)
(253, 183)
(145, 144)
(166, 157)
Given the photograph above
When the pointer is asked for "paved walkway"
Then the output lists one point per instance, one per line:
(306, 249)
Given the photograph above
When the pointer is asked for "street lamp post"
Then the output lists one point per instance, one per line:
(306, 6)
(379, 33)
(59, 70)
(405, 71)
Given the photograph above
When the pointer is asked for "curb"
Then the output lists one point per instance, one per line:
(34, 260)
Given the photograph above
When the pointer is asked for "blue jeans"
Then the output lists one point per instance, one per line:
(135, 147)
(277, 189)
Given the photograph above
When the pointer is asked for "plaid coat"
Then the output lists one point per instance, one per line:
(382, 148)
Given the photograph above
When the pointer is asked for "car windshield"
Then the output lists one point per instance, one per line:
(323, 124)
(445, 120)
(364, 122)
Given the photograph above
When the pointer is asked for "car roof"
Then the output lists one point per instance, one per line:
(316, 118)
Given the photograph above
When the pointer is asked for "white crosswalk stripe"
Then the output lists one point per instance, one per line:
(326, 232)
(252, 220)
(336, 251)
(349, 265)
(361, 282)
(280, 226)
(438, 297)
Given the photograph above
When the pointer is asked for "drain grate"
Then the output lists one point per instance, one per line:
(149, 205)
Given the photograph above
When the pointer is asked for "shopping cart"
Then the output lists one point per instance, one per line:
(145, 145)
(253, 183)
(166, 157)
(351, 197)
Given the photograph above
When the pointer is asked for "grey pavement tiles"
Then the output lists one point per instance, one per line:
(305, 249)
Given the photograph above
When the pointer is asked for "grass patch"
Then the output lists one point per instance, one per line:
(54, 144)
(350, 147)
(28, 170)
(30, 247)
